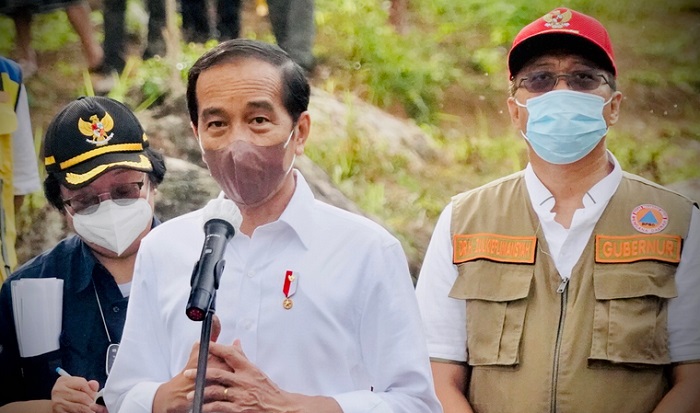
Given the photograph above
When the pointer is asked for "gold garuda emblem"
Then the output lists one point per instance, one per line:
(97, 129)
(557, 19)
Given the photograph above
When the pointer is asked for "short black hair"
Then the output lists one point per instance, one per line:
(295, 87)
(52, 184)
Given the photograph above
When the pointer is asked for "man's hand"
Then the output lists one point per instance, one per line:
(241, 386)
(73, 395)
(171, 397)
(684, 395)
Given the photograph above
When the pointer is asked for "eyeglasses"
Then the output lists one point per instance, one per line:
(580, 81)
(87, 203)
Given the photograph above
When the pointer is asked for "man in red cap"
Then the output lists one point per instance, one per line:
(572, 285)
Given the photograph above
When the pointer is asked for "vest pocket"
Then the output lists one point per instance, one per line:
(630, 320)
(495, 298)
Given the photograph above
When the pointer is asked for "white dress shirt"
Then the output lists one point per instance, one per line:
(444, 318)
(353, 332)
(567, 244)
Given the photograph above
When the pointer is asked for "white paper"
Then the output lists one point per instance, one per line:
(38, 310)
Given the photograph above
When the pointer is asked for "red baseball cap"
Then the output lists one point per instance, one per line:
(562, 29)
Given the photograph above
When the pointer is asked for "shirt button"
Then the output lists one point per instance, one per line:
(248, 324)
(116, 309)
(251, 274)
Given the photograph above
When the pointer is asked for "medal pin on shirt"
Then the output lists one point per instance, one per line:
(289, 288)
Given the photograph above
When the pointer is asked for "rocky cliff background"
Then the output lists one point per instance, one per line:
(188, 185)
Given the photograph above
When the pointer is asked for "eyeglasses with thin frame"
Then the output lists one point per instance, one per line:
(123, 194)
(580, 81)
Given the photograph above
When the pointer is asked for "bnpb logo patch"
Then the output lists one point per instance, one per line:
(649, 219)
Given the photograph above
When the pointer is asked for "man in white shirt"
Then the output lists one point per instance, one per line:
(316, 305)
(572, 285)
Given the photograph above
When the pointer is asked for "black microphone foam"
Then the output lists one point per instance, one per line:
(222, 219)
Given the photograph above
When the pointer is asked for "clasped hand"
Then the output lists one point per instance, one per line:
(233, 383)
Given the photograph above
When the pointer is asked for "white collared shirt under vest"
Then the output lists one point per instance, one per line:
(443, 317)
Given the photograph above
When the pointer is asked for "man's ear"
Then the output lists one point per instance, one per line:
(514, 111)
(195, 131)
(615, 103)
(303, 129)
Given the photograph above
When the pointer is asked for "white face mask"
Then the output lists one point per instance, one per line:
(114, 227)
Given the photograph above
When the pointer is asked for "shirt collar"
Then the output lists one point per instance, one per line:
(543, 201)
(299, 213)
(80, 272)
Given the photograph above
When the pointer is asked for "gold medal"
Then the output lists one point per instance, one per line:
(288, 289)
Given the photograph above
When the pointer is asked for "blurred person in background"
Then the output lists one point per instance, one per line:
(19, 171)
(78, 12)
(292, 24)
(195, 20)
(114, 12)
(295, 29)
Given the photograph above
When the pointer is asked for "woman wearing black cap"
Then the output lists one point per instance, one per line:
(102, 176)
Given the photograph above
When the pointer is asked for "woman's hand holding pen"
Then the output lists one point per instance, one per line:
(71, 394)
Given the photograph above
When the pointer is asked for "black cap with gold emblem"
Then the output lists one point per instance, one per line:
(90, 136)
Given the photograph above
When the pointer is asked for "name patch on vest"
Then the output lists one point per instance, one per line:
(494, 247)
(614, 249)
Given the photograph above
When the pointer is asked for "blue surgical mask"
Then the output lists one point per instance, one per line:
(563, 126)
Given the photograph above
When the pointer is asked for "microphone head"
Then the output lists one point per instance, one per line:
(223, 209)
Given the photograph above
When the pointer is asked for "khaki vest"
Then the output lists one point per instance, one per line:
(599, 344)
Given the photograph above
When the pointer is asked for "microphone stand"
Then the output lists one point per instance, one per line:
(204, 338)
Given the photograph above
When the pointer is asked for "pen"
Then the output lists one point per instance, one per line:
(62, 372)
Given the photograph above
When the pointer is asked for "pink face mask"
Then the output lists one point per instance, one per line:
(249, 174)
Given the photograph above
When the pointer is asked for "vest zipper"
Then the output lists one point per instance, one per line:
(562, 286)
(564, 291)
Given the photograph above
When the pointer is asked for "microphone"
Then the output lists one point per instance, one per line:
(222, 219)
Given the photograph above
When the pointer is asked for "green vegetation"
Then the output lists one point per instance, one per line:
(447, 72)
(463, 45)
